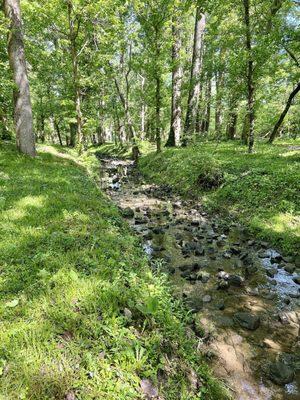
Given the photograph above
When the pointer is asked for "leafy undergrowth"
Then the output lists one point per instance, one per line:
(261, 190)
(82, 314)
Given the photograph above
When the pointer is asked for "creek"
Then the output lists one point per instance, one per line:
(244, 295)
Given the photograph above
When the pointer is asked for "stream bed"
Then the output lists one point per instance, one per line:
(244, 294)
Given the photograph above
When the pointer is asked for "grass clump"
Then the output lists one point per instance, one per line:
(82, 314)
(261, 190)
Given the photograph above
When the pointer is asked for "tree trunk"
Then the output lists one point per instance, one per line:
(143, 110)
(284, 112)
(22, 102)
(157, 114)
(250, 80)
(194, 89)
(5, 135)
(135, 149)
(73, 131)
(177, 75)
(245, 131)
(73, 33)
(206, 119)
(218, 111)
(57, 129)
(231, 127)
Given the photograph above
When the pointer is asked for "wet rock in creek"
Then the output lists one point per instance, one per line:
(247, 320)
(207, 298)
(275, 259)
(280, 373)
(297, 279)
(195, 303)
(226, 254)
(127, 212)
(290, 268)
(222, 275)
(158, 230)
(271, 272)
(235, 280)
(203, 276)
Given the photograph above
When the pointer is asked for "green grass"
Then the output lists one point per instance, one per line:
(262, 190)
(69, 266)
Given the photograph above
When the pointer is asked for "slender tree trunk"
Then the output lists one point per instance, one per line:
(135, 149)
(200, 110)
(250, 79)
(157, 114)
(73, 131)
(206, 119)
(57, 129)
(73, 33)
(231, 127)
(158, 83)
(218, 111)
(4, 127)
(177, 75)
(41, 127)
(189, 127)
(283, 114)
(143, 110)
(22, 102)
(245, 130)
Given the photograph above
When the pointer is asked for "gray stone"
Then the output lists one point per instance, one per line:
(280, 373)
(207, 298)
(297, 279)
(127, 212)
(149, 389)
(222, 275)
(235, 280)
(290, 268)
(271, 272)
(247, 320)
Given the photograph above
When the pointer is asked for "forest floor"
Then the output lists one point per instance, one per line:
(261, 190)
(83, 315)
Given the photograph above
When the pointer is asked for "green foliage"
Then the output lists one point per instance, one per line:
(69, 268)
(262, 190)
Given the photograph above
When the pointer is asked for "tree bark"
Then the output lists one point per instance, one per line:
(73, 34)
(206, 120)
(283, 114)
(245, 130)
(73, 131)
(177, 75)
(143, 109)
(194, 89)
(57, 129)
(250, 78)
(22, 102)
(218, 111)
(231, 127)
(4, 127)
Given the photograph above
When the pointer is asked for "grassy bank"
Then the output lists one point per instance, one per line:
(82, 314)
(261, 190)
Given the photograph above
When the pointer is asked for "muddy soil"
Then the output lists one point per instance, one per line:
(245, 295)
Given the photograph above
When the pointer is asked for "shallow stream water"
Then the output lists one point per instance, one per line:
(244, 295)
